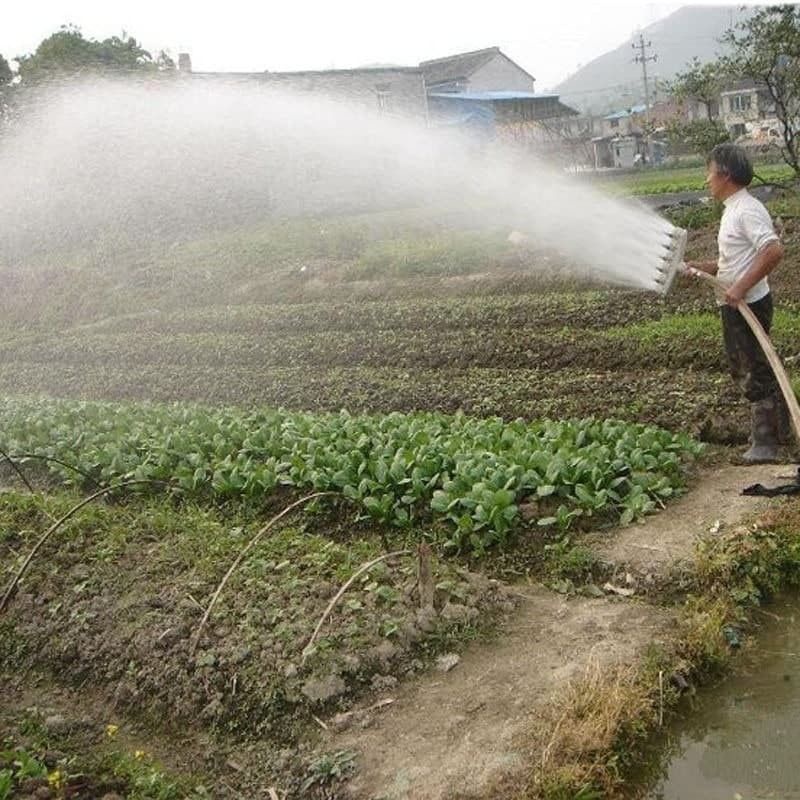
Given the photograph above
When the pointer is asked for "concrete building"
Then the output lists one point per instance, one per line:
(487, 70)
(626, 122)
(747, 110)
(387, 90)
(493, 97)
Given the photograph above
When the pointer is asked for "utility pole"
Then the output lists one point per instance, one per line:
(642, 58)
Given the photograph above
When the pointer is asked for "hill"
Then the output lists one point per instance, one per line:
(614, 80)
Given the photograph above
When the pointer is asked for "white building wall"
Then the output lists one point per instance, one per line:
(498, 75)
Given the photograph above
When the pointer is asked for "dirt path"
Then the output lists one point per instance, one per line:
(656, 545)
(452, 734)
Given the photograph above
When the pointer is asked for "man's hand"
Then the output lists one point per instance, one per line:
(688, 271)
(693, 267)
(735, 294)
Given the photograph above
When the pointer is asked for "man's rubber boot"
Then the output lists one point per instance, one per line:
(783, 425)
(764, 432)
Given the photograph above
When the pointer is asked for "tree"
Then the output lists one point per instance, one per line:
(702, 82)
(5, 72)
(6, 88)
(67, 52)
(766, 47)
(697, 135)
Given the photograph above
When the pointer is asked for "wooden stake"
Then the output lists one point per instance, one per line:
(425, 575)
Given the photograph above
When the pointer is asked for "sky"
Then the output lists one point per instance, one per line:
(549, 39)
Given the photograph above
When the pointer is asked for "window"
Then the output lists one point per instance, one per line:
(737, 130)
(740, 102)
(614, 123)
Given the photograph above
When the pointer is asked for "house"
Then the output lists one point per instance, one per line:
(487, 70)
(493, 97)
(391, 90)
(399, 91)
(620, 143)
(746, 109)
(684, 110)
(627, 122)
(636, 135)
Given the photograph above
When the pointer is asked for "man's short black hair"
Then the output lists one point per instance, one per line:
(731, 160)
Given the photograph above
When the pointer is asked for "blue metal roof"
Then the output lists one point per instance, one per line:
(500, 95)
(627, 112)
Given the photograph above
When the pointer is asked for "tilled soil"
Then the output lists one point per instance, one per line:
(497, 344)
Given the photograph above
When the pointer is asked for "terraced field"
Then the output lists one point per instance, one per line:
(504, 343)
(354, 316)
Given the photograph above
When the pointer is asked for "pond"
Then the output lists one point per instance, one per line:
(740, 740)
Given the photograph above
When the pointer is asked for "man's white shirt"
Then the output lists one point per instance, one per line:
(744, 230)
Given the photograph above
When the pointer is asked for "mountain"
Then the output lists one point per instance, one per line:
(614, 81)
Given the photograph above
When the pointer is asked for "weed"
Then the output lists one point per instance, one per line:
(566, 561)
(329, 768)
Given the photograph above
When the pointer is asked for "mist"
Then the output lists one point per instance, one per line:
(101, 163)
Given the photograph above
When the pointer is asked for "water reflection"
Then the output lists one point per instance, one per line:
(741, 739)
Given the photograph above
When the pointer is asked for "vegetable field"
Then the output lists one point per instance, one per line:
(471, 422)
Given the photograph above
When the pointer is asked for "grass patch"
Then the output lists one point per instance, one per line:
(591, 719)
(702, 326)
(565, 561)
(695, 217)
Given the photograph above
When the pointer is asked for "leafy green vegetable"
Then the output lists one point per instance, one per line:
(398, 468)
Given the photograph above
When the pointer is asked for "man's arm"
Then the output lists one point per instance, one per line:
(767, 258)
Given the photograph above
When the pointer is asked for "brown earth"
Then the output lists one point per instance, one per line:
(453, 734)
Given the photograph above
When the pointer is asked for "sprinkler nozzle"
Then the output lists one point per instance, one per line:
(671, 260)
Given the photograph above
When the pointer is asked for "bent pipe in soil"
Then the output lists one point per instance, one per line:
(12, 461)
(195, 640)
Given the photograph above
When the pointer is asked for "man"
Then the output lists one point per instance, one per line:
(749, 249)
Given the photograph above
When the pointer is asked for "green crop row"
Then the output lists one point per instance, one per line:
(589, 309)
(398, 469)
